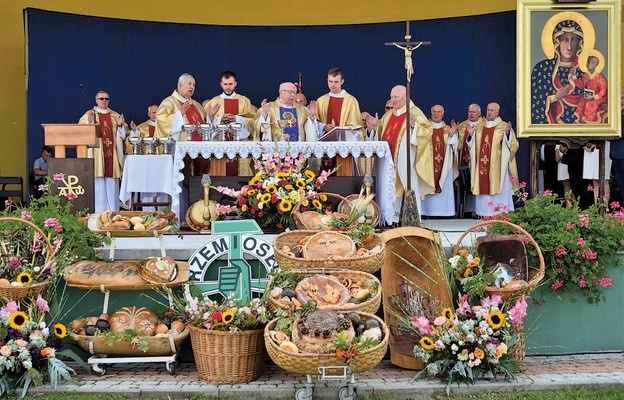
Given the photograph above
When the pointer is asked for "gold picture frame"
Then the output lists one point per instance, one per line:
(559, 92)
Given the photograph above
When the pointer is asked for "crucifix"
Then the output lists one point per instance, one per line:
(409, 208)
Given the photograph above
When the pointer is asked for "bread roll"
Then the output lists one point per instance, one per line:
(140, 318)
(157, 224)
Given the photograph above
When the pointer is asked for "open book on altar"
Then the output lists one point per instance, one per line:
(342, 133)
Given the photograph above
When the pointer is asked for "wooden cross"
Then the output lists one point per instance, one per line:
(408, 46)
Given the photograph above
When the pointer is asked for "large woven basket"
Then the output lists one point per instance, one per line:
(224, 357)
(370, 263)
(535, 274)
(299, 219)
(158, 345)
(376, 211)
(9, 293)
(370, 306)
(308, 363)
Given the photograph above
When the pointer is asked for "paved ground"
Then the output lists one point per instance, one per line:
(542, 373)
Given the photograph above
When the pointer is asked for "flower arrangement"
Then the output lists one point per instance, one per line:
(280, 183)
(578, 244)
(229, 315)
(469, 342)
(25, 258)
(472, 273)
(30, 343)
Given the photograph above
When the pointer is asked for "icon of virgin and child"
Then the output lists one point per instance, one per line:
(568, 87)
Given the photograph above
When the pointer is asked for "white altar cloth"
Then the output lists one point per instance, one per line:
(383, 170)
(147, 174)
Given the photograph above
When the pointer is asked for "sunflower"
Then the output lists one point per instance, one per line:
(18, 319)
(271, 188)
(317, 204)
(323, 197)
(255, 180)
(280, 175)
(299, 184)
(496, 319)
(426, 342)
(285, 205)
(448, 314)
(251, 192)
(24, 278)
(309, 174)
(265, 198)
(60, 330)
(227, 317)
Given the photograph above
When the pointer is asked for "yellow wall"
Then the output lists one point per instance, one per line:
(236, 12)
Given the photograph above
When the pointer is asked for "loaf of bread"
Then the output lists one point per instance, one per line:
(159, 269)
(132, 317)
(107, 273)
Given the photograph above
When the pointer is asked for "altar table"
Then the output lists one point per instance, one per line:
(147, 174)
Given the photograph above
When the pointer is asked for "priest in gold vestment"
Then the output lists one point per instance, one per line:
(300, 122)
(144, 129)
(108, 157)
(392, 128)
(493, 146)
(436, 163)
(466, 198)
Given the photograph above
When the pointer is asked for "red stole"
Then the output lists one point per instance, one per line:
(334, 110)
(464, 155)
(108, 142)
(152, 129)
(194, 117)
(391, 133)
(437, 141)
(230, 106)
(485, 158)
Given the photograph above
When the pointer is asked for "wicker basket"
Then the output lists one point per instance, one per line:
(299, 219)
(374, 219)
(535, 274)
(224, 357)
(370, 306)
(158, 345)
(370, 263)
(9, 293)
(308, 363)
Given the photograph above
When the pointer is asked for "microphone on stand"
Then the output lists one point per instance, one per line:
(89, 103)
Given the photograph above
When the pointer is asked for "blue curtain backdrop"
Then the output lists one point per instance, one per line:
(470, 59)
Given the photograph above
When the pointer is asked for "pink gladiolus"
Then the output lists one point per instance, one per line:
(614, 205)
(439, 345)
(59, 176)
(556, 285)
(518, 313)
(512, 178)
(72, 196)
(9, 309)
(439, 321)
(590, 188)
(422, 324)
(604, 282)
(42, 304)
(581, 242)
(522, 185)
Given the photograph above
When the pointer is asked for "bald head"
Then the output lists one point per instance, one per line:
(398, 96)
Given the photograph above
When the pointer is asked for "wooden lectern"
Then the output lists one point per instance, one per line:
(78, 172)
(79, 136)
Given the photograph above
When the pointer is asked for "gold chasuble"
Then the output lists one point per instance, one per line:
(166, 113)
(276, 112)
(462, 146)
(490, 157)
(349, 114)
(237, 105)
(108, 156)
(392, 128)
(434, 158)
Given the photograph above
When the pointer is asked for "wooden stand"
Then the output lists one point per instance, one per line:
(345, 166)
(80, 136)
(218, 166)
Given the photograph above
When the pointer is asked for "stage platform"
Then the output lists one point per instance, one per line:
(182, 246)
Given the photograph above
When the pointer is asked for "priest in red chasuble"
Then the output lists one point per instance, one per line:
(493, 146)
(300, 122)
(465, 187)
(108, 156)
(392, 128)
(180, 109)
(436, 163)
(230, 107)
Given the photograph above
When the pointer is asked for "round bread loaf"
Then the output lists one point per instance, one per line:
(315, 332)
(329, 245)
(159, 269)
(132, 317)
(325, 290)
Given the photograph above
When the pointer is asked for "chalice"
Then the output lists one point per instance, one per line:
(236, 127)
(137, 145)
(283, 124)
(189, 129)
(266, 131)
(168, 145)
(150, 142)
(205, 131)
(220, 130)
